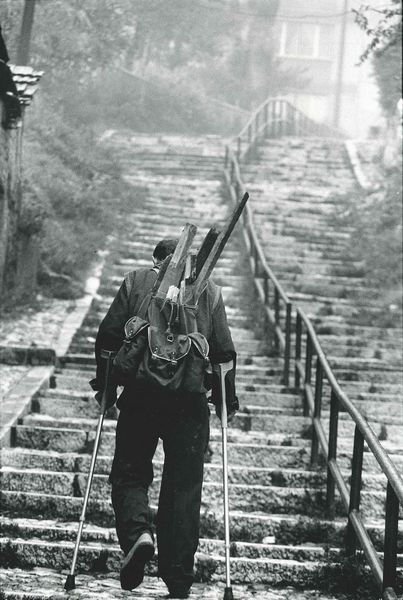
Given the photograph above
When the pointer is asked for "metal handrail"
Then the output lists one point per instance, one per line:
(259, 125)
(370, 437)
(275, 117)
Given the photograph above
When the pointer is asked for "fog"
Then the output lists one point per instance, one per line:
(198, 66)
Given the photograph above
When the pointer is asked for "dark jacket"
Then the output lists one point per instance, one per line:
(211, 320)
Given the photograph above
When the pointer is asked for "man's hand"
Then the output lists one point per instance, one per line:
(232, 407)
(230, 395)
(111, 397)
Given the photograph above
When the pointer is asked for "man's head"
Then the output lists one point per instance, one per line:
(163, 249)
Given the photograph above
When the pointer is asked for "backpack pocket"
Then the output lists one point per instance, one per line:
(131, 353)
(165, 359)
(197, 362)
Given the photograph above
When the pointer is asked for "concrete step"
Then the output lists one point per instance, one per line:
(252, 526)
(260, 449)
(245, 526)
(78, 440)
(98, 557)
(76, 462)
(56, 531)
(45, 583)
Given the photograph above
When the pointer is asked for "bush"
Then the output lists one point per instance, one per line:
(163, 103)
(377, 242)
(73, 195)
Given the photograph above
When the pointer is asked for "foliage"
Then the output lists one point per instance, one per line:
(385, 49)
(74, 189)
(218, 46)
(160, 103)
(386, 32)
(376, 241)
(75, 37)
(187, 57)
(387, 65)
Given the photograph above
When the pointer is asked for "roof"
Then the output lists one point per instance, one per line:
(26, 81)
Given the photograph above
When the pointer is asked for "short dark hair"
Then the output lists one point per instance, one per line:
(164, 248)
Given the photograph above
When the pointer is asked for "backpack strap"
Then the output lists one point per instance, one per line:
(137, 280)
(216, 298)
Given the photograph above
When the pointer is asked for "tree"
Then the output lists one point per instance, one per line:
(385, 49)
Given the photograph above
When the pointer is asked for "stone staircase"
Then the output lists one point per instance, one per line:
(295, 187)
(281, 536)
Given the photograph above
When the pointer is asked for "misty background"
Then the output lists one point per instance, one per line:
(190, 67)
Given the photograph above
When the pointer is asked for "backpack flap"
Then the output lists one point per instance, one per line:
(200, 343)
(168, 346)
(134, 326)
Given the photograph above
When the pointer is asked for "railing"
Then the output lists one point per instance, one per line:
(290, 325)
(276, 117)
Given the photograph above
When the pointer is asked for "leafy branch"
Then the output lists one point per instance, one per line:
(387, 31)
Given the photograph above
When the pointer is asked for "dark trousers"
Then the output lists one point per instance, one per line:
(182, 422)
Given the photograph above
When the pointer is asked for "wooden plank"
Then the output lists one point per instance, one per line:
(206, 248)
(217, 249)
(174, 272)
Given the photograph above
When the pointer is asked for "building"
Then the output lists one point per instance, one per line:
(320, 40)
(17, 248)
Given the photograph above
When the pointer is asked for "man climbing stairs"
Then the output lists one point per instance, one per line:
(284, 545)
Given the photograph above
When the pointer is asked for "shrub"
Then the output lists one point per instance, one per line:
(74, 195)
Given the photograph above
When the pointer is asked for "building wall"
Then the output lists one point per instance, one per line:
(308, 40)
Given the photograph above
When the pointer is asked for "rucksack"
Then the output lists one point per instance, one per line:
(162, 346)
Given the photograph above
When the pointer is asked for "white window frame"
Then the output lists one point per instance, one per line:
(316, 39)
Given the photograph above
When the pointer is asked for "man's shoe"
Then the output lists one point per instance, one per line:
(132, 571)
(179, 590)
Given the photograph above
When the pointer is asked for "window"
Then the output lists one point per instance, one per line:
(307, 40)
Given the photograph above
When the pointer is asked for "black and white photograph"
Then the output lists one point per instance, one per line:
(201, 300)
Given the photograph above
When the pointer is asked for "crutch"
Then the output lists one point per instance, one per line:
(222, 369)
(71, 577)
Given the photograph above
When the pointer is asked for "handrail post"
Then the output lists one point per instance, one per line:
(266, 119)
(237, 187)
(291, 116)
(291, 119)
(390, 543)
(332, 451)
(272, 119)
(255, 262)
(266, 288)
(282, 121)
(355, 490)
(266, 291)
(317, 411)
(276, 318)
(275, 120)
(287, 350)
(298, 343)
(248, 152)
(226, 157)
(308, 371)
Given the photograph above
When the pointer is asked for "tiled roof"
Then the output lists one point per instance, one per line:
(26, 81)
